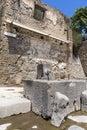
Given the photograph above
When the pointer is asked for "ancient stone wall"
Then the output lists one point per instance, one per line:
(53, 22)
(83, 56)
(29, 38)
(27, 52)
(77, 69)
(3, 45)
(22, 50)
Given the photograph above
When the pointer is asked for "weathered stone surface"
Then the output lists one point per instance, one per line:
(47, 41)
(33, 55)
(20, 54)
(14, 106)
(83, 101)
(5, 126)
(77, 70)
(42, 93)
(75, 127)
(12, 102)
(78, 118)
(60, 109)
(83, 56)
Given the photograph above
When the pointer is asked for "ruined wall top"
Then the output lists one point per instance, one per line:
(39, 16)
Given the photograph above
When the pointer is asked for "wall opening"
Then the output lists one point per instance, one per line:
(39, 13)
(40, 73)
(43, 71)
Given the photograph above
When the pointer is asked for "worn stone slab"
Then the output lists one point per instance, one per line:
(75, 127)
(4, 126)
(13, 106)
(42, 93)
(12, 102)
(78, 118)
(60, 109)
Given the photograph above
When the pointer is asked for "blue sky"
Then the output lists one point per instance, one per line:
(67, 7)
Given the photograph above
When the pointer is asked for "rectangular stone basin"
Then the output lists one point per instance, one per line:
(42, 93)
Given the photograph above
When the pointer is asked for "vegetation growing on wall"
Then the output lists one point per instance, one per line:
(78, 23)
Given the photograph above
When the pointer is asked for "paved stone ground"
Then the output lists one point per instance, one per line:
(68, 123)
(30, 121)
(79, 119)
(75, 127)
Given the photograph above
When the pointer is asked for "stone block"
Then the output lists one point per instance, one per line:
(42, 93)
(78, 118)
(14, 106)
(36, 91)
(12, 101)
(60, 109)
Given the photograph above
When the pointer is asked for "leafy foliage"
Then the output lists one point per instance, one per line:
(78, 21)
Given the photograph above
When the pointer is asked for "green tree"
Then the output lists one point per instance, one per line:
(78, 21)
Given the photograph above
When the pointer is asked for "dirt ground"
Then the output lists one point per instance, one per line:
(28, 120)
